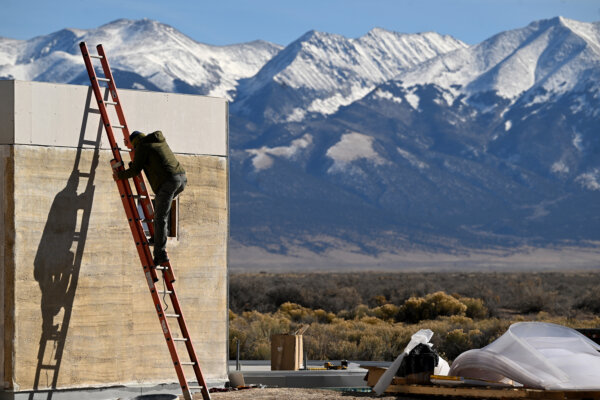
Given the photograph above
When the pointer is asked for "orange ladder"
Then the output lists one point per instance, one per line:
(137, 229)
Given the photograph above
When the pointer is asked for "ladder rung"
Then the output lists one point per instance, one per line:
(85, 174)
(180, 339)
(103, 79)
(139, 196)
(195, 387)
(110, 103)
(92, 142)
(172, 315)
(187, 363)
(165, 292)
(47, 366)
(160, 267)
(96, 56)
(119, 126)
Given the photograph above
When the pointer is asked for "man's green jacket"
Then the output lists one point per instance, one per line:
(153, 155)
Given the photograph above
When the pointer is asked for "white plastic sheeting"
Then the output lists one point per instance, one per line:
(535, 354)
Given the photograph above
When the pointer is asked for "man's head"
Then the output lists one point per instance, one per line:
(135, 137)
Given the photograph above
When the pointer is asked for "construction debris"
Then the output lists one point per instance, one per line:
(531, 360)
(536, 355)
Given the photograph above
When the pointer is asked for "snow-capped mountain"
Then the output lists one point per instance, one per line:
(144, 54)
(549, 56)
(385, 142)
(490, 145)
(320, 72)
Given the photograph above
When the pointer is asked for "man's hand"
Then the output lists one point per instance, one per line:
(115, 168)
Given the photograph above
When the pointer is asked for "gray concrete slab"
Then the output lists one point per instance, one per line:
(103, 393)
(259, 372)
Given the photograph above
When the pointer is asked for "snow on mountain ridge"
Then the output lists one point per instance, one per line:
(158, 52)
(553, 54)
(330, 70)
(321, 61)
(8, 50)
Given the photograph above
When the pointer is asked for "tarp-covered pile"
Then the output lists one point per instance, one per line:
(537, 355)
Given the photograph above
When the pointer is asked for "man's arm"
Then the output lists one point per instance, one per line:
(139, 160)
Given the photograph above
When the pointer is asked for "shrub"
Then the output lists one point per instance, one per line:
(456, 342)
(386, 312)
(294, 312)
(533, 297)
(589, 302)
(433, 305)
(475, 307)
(380, 300)
(361, 311)
(254, 331)
(297, 313)
(412, 309)
(558, 293)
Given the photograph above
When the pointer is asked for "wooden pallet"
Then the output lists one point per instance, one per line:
(403, 386)
(492, 393)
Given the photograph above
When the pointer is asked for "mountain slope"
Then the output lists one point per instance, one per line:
(491, 145)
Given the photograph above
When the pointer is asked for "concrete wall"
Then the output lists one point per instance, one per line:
(6, 249)
(51, 115)
(81, 314)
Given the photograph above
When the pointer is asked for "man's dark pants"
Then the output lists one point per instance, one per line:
(163, 199)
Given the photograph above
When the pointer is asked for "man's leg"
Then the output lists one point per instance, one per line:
(163, 200)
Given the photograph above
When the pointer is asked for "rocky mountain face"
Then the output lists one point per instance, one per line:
(487, 146)
(387, 142)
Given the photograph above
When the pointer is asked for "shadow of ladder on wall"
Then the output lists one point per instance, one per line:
(58, 285)
(137, 229)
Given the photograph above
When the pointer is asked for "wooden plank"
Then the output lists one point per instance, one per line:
(582, 394)
(473, 392)
(494, 393)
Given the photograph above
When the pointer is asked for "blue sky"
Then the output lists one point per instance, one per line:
(222, 22)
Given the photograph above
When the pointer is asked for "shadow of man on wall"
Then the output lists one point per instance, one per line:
(58, 260)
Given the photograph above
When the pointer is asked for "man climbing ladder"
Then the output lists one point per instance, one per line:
(167, 179)
(176, 176)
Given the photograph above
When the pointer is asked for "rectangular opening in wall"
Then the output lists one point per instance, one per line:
(173, 222)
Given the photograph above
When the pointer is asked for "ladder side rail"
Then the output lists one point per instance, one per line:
(136, 227)
(109, 131)
(147, 207)
(139, 183)
(113, 92)
(168, 336)
(100, 101)
(144, 254)
(186, 334)
(124, 189)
